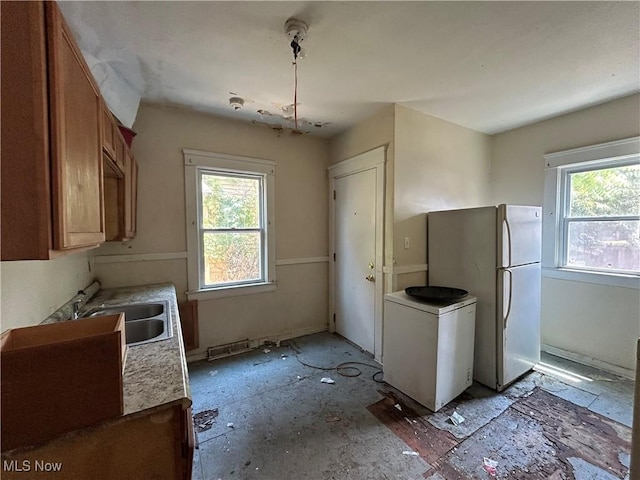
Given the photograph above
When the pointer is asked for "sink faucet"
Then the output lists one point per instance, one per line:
(77, 303)
(76, 309)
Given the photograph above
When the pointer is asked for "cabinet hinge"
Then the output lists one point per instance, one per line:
(334, 318)
(334, 194)
(334, 257)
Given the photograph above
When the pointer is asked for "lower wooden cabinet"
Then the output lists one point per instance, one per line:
(157, 445)
(188, 443)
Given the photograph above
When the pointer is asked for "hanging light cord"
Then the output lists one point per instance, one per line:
(295, 46)
(295, 93)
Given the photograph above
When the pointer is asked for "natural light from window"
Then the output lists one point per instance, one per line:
(231, 228)
(561, 373)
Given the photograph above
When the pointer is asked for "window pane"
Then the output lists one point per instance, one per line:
(605, 193)
(231, 257)
(604, 245)
(230, 202)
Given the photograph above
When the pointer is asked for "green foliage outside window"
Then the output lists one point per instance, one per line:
(596, 242)
(231, 223)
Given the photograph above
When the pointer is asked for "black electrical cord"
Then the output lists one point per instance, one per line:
(295, 46)
(345, 369)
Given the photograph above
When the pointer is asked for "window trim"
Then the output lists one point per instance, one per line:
(566, 219)
(197, 161)
(557, 167)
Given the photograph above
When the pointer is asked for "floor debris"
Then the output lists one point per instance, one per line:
(332, 419)
(411, 453)
(490, 466)
(266, 350)
(327, 380)
(456, 418)
(397, 405)
(203, 421)
(532, 434)
(230, 425)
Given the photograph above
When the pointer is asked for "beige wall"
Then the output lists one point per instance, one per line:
(299, 304)
(373, 132)
(438, 166)
(594, 321)
(32, 290)
(431, 165)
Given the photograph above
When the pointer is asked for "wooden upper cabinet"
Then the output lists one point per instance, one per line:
(52, 185)
(121, 195)
(108, 133)
(112, 141)
(130, 196)
(76, 140)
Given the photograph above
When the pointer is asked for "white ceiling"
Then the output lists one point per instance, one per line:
(489, 66)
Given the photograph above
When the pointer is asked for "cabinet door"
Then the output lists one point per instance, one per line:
(188, 443)
(113, 201)
(108, 133)
(25, 215)
(130, 196)
(76, 146)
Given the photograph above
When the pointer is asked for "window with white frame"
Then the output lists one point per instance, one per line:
(230, 224)
(601, 216)
(592, 203)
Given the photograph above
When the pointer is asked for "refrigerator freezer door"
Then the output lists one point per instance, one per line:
(518, 321)
(519, 235)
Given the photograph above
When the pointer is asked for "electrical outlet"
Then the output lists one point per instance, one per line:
(406, 243)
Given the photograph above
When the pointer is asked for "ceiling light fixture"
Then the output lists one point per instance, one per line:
(296, 30)
(236, 103)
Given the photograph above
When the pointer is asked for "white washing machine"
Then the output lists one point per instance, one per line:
(427, 350)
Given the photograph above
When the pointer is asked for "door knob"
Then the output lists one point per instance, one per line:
(370, 278)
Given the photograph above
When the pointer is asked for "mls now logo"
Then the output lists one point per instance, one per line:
(27, 466)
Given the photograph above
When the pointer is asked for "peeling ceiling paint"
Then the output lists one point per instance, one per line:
(489, 66)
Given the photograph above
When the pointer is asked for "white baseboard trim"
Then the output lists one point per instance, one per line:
(589, 361)
(256, 342)
(196, 357)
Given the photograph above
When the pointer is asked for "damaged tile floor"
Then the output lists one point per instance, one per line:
(265, 415)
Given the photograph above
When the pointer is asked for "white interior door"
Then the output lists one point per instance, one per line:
(355, 242)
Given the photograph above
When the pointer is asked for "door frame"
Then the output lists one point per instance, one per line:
(371, 160)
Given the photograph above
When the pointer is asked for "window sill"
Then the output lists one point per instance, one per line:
(232, 291)
(601, 278)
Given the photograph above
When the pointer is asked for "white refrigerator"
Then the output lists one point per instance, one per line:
(494, 253)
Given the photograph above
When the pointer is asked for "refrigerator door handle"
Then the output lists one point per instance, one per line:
(506, 224)
(506, 317)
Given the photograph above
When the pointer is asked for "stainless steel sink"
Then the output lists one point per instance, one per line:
(144, 322)
(138, 331)
(131, 312)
